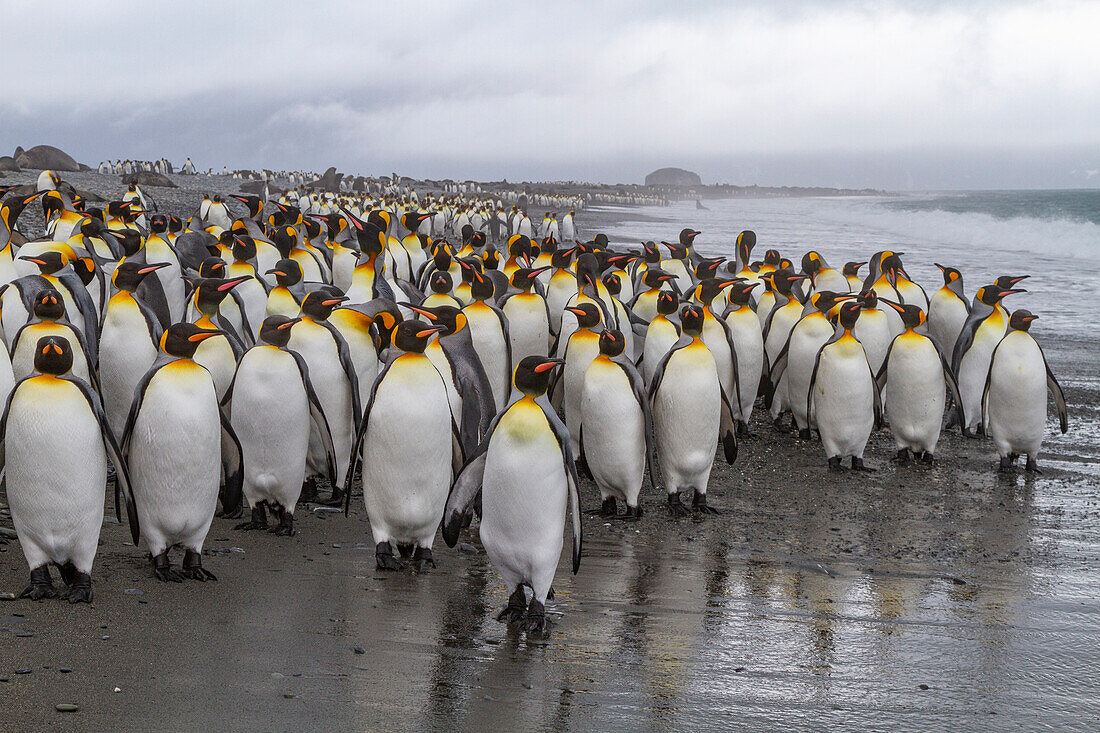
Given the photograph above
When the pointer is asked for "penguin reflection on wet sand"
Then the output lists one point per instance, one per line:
(525, 471)
(56, 443)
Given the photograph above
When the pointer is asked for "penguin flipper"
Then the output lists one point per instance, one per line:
(729, 431)
(317, 416)
(232, 465)
(463, 492)
(562, 434)
(878, 399)
(349, 371)
(949, 378)
(110, 444)
(1059, 397)
(637, 386)
(881, 377)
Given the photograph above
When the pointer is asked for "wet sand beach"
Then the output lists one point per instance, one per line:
(910, 598)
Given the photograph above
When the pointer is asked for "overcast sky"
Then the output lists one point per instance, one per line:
(907, 95)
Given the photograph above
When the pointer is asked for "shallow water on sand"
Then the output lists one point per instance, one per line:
(943, 598)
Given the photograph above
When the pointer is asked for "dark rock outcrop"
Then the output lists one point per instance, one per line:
(330, 181)
(41, 157)
(673, 177)
(8, 163)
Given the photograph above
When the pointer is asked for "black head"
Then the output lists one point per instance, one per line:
(182, 339)
(868, 300)
(784, 280)
(524, 277)
(48, 305)
(651, 252)
(158, 224)
(911, 316)
(655, 277)
(667, 302)
(450, 318)
(709, 289)
(481, 287)
(413, 336)
(128, 240)
(613, 284)
(287, 272)
(1008, 281)
(285, 240)
(53, 355)
(826, 300)
(319, 304)
(532, 376)
(48, 262)
(811, 263)
(849, 314)
(691, 319)
(687, 237)
(746, 240)
(211, 291)
(588, 314)
(741, 292)
(612, 343)
(773, 258)
(1021, 320)
(950, 274)
(851, 269)
(212, 267)
(994, 294)
(129, 274)
(275, 330)
(440, 282)
(244, 248)
(708, 267)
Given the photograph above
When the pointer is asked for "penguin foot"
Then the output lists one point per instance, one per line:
(309, 490)
(834, 463)
(41, 585)
(258, 520)
(902, 457)
(699, 505)
(550, 594)
(729, 447)
(607, 510)
(1007, 464)
(405, 549)
(337, 498)
(235, 513)
(536, 619)
(743, 430)
(285, 527)
(516, 608)
(80, 590)
(675, 508)
(632, 514)
(422, 556)
(384, 559)
(193, 569)
(857, 465)
(805, 434)
(927, 458)
(1032, 466)
(68, 572)
(163, 569)
(777, 423)
(968, 433)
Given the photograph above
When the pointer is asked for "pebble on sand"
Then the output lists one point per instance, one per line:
(66, 707)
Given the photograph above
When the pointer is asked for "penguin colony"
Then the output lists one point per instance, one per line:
(425, 349)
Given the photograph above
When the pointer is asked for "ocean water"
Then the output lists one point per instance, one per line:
(1054, 236)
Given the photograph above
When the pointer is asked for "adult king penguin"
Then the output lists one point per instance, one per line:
(56, 442)
(1014, 402)
(178, 443)
(843, 397)
(273, 406)
(918, 376)
(409, 449)
(616, 436)
(525, 472)
(687, 400)
(948, 310)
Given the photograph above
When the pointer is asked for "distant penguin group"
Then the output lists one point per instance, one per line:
(451, 360)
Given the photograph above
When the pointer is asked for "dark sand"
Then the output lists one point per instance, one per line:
(906, 599)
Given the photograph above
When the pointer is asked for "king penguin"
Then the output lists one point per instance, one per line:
(616, 436)
(272, 405)
(178, 443)
(687, 400)
(948, 310)
(56, 444)
(525, 472)
(1014, 402)
(409, 447)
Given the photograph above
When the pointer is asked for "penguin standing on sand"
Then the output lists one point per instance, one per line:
(919, 375)
(526, 474)
(843, 397)
(288, 291)
(583, 347)
(1014, 402)
(409, 448)
(981, 333)
(272, 405)
(56, 443)
(948, 310)
(178, 443)
(687, 400)
(616, 436)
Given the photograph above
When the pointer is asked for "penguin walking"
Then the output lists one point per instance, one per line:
(178, 443)
(56, 444)
(526, 474)
(616, 435)
(687, 401)
(408, 444)
(843, 398)
(1014, 402)
(272, 406)
(919, 376)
